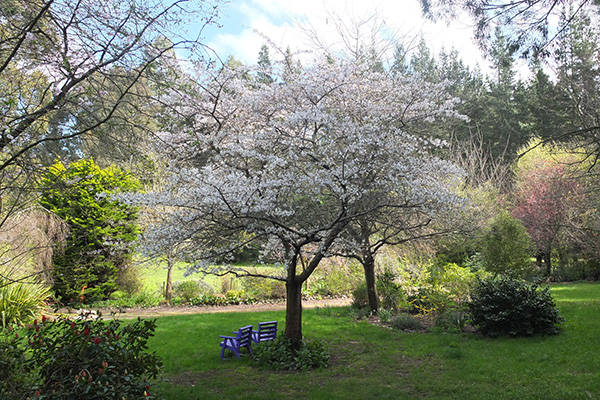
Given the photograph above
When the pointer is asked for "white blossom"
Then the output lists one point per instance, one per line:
(287, 166)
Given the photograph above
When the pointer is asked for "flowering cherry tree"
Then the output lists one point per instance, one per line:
(289, 165)
(549, 198)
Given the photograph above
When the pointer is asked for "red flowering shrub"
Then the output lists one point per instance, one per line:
(65, 359)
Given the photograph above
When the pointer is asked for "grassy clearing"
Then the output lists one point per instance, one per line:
(370, 361)
(155, 276)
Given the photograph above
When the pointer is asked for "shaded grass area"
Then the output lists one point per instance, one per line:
(370, 361)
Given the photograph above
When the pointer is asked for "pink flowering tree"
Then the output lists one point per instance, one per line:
(548, 198)
(289, 166)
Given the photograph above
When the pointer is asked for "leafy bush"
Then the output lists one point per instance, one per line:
(336, 279)
(190, 289)
(507, 247)
(385, 315)
(102, 230)
(263, 289)
(238, 297)
(429, 299)
(390, 292)
(21, 303)
(129, 280)
(64, 359)
(510, 307)
(457, 281)
(279, 354)
(452, 321)
(406, 322)
(360, 299)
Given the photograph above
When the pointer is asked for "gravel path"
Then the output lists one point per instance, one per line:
(162, 311)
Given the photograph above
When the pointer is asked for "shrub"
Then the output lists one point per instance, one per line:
(336, 279)
(406, 322)
(20, 302)
(64, 359)
(510, 307)
(279, 355)
(191, 289)
(129, 280)
(385, 315)
(457, 281)
(238, 297)
(507, 247)
(263, 289)
(146, 298)
(390, 292)
(452, 321)
(360, 299)
(429, 299)
(102, 230)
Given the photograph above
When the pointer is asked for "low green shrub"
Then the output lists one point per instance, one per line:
(20, 302)
(429, 299)
(145, 298)
(263, 289)
(187, 290)
(335, 279)
(77, 359)
(510, 307)
(208, 300)
(390, 291)
(406, 322)
(129, 279)
(360, 299)
(385, 315)
(279, 355)
(452, 321)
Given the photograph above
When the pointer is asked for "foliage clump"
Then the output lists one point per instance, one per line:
(507, 306)
(281, 355)
(507, 247)
(102, 230)
(76, 359)
(21, 302)
(406, 322)
(188, 290)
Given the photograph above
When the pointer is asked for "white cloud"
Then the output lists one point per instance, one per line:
(278, 20)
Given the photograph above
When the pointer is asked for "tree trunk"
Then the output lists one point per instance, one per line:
(169, 285)
(369, 267)
(548, 262)
(293, 311)
(539, 260)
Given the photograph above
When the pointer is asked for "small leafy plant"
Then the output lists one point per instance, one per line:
(21, 302)
(69, 359)
(279, 354)
(452, 321)
(406, 322)
(510, 307)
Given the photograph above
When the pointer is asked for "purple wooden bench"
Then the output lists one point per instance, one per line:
(266, 331)
(242, 339)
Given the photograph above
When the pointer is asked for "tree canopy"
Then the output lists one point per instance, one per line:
(289, 166)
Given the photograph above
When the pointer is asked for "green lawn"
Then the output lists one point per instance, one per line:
(369, 361)
(155, 276)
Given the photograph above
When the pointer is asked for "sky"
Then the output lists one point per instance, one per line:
(280, 22)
